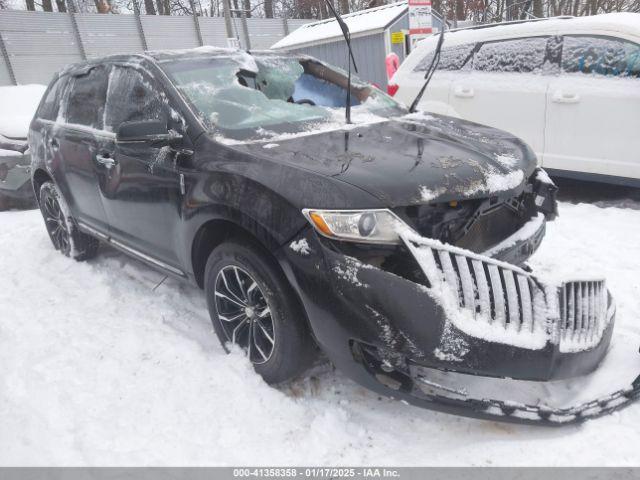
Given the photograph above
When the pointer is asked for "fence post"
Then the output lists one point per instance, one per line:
(227, 18)
(245, 30)
(285, 26)
(196, 22)
(7, 60)
(143, 39)
(76, 30)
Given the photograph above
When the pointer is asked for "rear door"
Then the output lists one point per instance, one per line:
(79, 138)
(593, 108)
(142, 186)
(506, 87)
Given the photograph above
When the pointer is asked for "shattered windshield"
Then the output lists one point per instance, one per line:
(259, 96)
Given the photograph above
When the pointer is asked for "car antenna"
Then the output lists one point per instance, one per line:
(430, 71)
(347, 37)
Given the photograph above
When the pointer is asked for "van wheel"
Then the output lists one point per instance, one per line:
(252, 305)
(63, 232)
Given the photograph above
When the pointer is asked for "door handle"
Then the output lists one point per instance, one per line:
(105, 159)
(565, 97)
(463, 92)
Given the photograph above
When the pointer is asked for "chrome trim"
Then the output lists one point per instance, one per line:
(93, 231)
(126, 248)
(145, 257)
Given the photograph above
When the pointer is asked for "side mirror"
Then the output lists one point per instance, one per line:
(154, 132)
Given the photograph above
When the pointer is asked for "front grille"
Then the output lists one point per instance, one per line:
(500, 302)
(583, 313)
(482, 296)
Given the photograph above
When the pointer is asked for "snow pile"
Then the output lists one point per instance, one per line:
(100, 367)
(18, 104)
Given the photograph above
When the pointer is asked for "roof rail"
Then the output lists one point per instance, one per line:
(513, 22)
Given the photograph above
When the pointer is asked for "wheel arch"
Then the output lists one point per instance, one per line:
(40, 176)
(215, 231)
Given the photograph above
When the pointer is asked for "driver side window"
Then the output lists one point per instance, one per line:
(132, 97)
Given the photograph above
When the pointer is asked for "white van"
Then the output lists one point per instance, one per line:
(569, 87)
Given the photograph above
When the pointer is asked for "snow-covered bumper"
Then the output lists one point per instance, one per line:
(456, 311)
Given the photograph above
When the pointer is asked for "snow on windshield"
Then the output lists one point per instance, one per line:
(281, 96)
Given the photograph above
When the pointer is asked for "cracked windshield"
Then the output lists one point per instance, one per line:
(251, 97)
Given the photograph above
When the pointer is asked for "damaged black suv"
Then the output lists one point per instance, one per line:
(395, 244)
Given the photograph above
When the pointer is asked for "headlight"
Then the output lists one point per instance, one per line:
(370, 226)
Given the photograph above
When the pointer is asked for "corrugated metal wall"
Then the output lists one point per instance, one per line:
(38, 43)
(119, 35)
(41, 43)
(368, 51)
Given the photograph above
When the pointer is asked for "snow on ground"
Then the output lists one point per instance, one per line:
(100, 365)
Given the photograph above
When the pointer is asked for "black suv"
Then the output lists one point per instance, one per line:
(394, 244)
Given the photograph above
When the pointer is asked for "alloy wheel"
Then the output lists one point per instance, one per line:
(56, 223)
(244, 314)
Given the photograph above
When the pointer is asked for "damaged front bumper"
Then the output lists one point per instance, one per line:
(470, 315)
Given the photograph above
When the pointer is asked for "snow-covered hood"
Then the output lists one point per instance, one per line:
(412, 159)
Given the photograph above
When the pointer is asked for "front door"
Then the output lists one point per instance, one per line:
(142, 185)
(593, 108)
(506, 88)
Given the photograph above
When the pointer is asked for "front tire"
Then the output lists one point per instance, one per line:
(251, 304)
(61, 227)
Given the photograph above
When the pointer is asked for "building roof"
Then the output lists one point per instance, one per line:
(364, 22)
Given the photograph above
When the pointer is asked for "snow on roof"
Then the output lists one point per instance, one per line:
(360, 22)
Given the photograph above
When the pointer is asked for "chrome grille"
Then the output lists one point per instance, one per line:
(583, 311)
(508, 303)
(502, 295)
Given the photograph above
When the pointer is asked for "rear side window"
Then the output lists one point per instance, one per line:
(521, 55)
(601, 56)
(132, 97)
(87, 97)
(51, 104)
(451, 58)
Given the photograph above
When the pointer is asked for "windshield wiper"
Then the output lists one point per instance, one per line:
(347, 38)
(429, 73)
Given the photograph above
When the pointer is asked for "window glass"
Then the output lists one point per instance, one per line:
(258, 96)
(521, 55)
(87, 98)
(131, 97)
(600, 55)
(51, 104)
(451, 58)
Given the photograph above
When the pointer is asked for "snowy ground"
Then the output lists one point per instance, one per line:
(101, 366)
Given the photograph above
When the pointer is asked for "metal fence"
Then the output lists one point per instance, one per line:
(34, 45)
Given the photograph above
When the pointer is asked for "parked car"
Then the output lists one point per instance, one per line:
(15, 179)
(236, 172)
(569, 87)
(17, 106)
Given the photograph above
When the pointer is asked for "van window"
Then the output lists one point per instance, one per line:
(451, 58)
(600, 55)
(133, 97)
(85, 105)
(51, 104)
(521, 55)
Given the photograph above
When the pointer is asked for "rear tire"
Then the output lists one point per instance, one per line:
(252, 305)
(61, 226)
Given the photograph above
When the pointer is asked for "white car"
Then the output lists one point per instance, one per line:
(569, 87)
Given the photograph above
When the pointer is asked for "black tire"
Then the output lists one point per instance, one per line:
(61, 227)
(293, 350)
